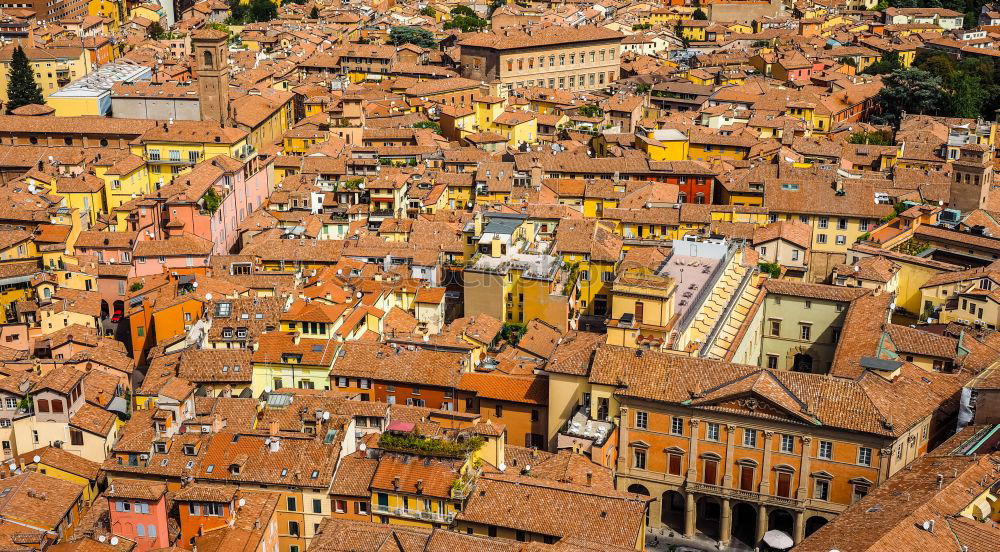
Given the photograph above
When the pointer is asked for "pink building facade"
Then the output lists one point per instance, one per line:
(138, 512)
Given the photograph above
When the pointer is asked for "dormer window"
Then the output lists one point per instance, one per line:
(160, 447)
(189, 450)
(234, 469)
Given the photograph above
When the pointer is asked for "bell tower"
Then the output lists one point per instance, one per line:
(211, 53)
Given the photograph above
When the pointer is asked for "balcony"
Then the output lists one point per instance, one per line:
(749, 496)
(415, 514)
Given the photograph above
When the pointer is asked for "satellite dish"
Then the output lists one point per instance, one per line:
(12, 466)
(36, 459)
(502, 467)
(102, 538)
(194, 285)
(243, 502)
(114, 541)
(358, 295)
(362, 447)
(267, 389)
(208, 296)
(927, 525)
(326, 416)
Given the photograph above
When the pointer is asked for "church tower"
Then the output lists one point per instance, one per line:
(211, 53)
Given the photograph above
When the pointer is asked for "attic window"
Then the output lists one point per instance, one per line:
(164, 461)
(225, 369)
(245, 316)
(236, 438)
(236, 368)
(317, 348)
(258, 316)
(189, 450)
(190, 464)
(160, 447)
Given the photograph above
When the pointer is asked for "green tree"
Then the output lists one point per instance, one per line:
(21, 86)
(512, 332)
(412, 35)
(263, 10)
(427, 124)
(590, 111)
(911, 90)
(699, 15)
(642, 88)
(428, 11)
(889, 63)
(463, 10)
(155, 31)
(314, 13)
(211, 200)
(467, 24)
(875, 138)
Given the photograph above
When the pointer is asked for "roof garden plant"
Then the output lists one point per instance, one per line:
(414, 443)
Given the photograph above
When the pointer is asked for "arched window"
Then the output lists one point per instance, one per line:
(207, 57)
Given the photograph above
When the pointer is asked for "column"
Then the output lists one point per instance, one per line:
(799, 529)
(690, 515)
(765, 474)
(761, 524)
(726, 523)
(727, 462)
(624, 451)
(802, 493)
(884, 464)
(656, 513)
(692, 471)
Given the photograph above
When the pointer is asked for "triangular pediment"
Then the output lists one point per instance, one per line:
(759, 393)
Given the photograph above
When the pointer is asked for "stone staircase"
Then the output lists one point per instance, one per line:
(712, 310)
(724, 336)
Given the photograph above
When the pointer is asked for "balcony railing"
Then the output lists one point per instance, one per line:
(749, 496)
(415, 514)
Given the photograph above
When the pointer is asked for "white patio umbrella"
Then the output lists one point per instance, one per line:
(778, 539)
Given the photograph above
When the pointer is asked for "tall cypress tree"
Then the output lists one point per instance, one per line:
(21, 86)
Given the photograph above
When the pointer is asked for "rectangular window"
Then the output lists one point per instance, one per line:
(750, 438)
(677, 426)
(821, 491)
(824, 223)
(805, 331)
(76, 437)
(291, 504)
(711, 472)
(712, 431)
(317, 506)
(673, 464)
(639, 459)
(841, 223)
(860, 491)
(826, 450)
(776, 327)
(641, 420)
(787, 444)
(772, 362)
(865, 456)
(820, 238)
